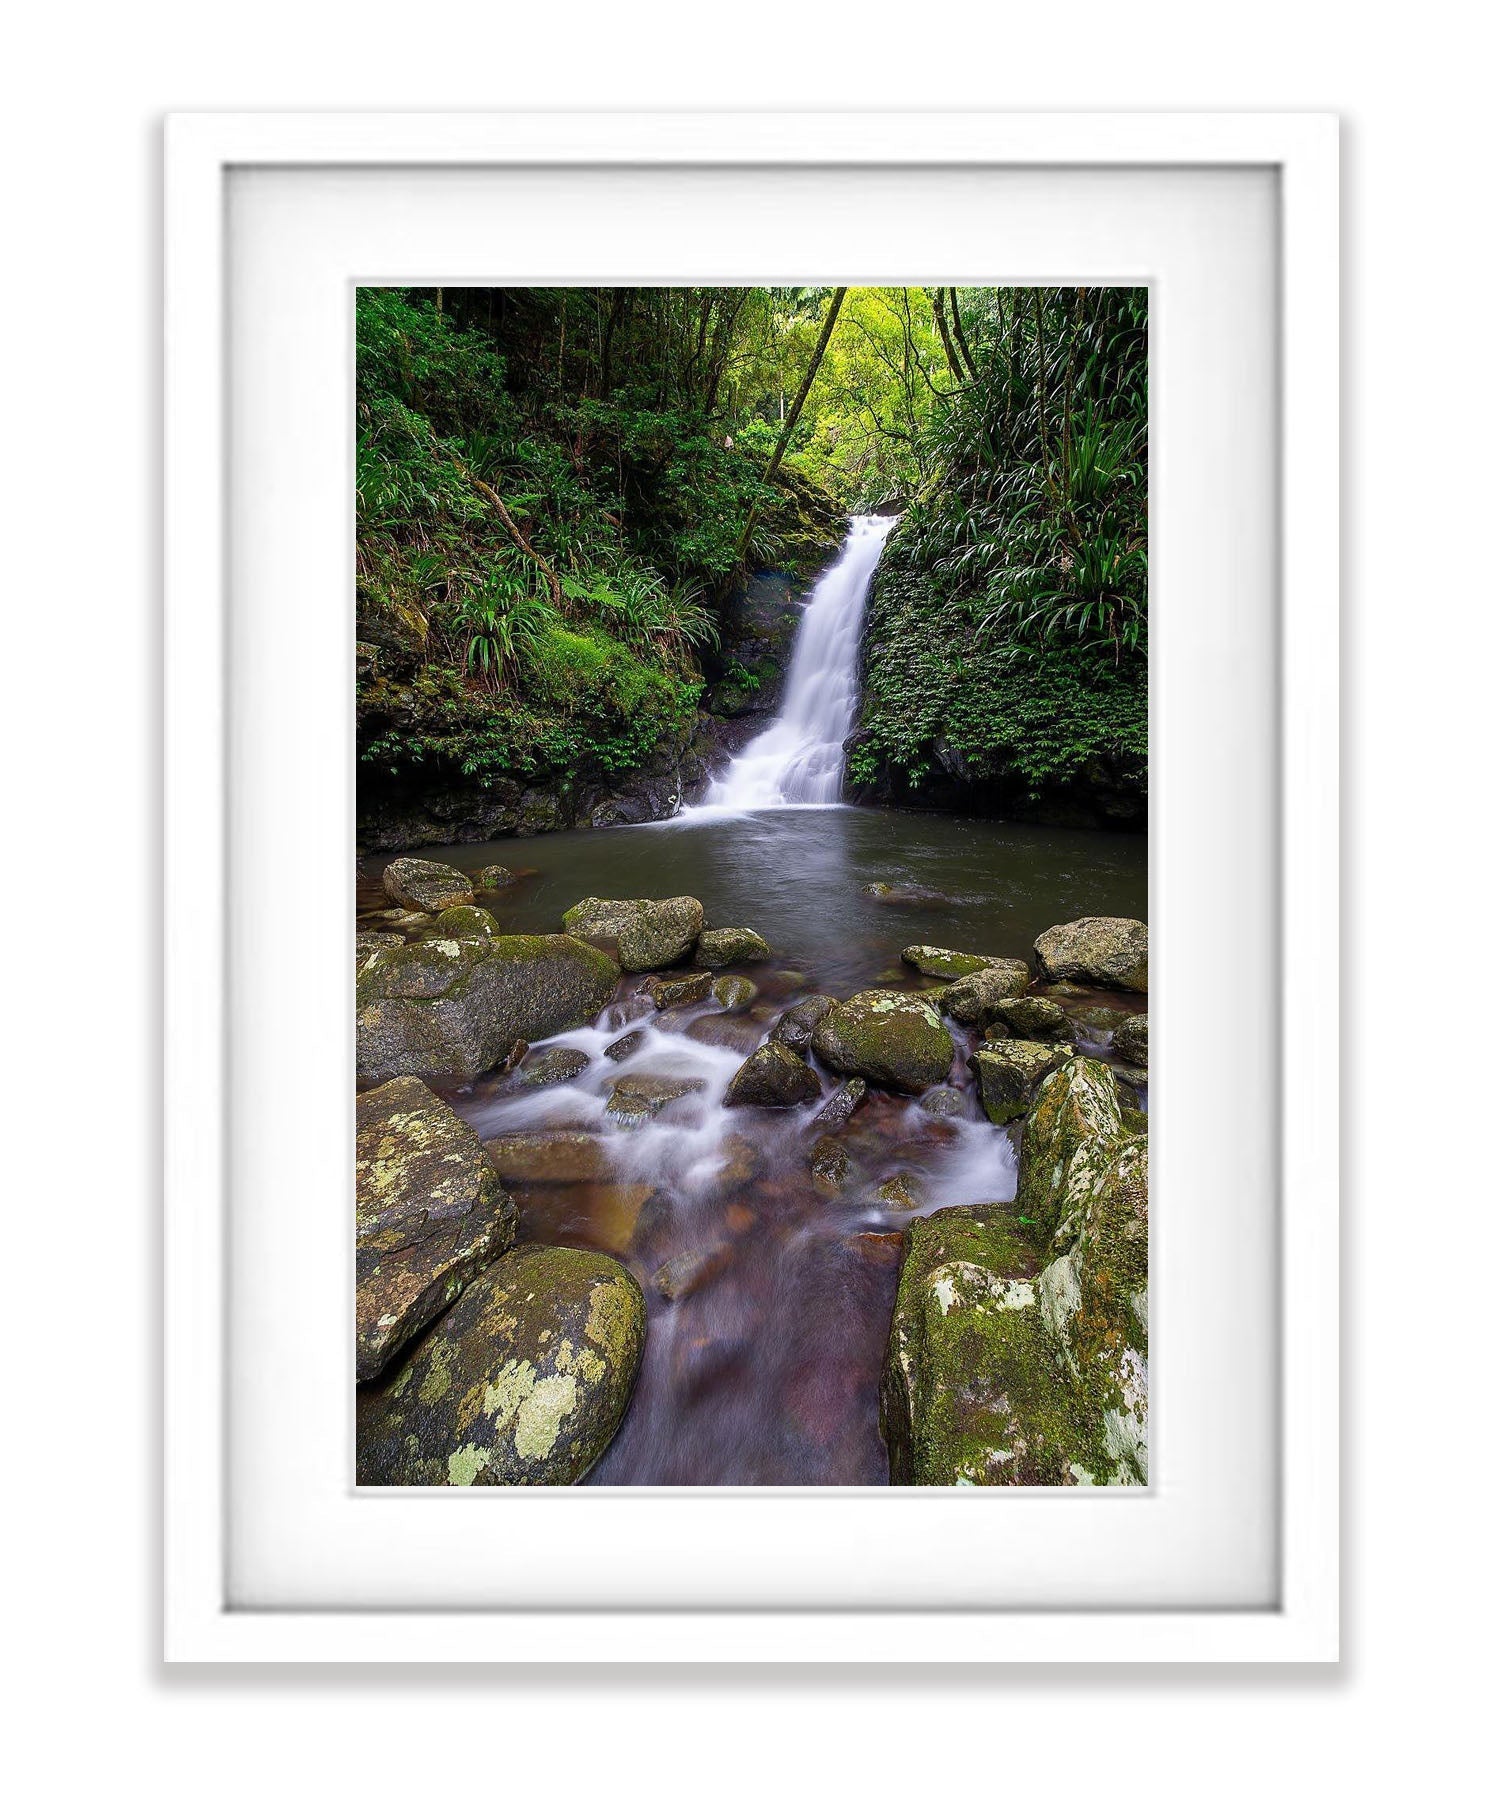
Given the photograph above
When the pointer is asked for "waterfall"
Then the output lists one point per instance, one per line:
(799, 760)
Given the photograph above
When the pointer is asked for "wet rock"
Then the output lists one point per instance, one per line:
(1100, 1018)
(549, 1157)
(741, 1161)
(447, 1009)
(772, 1076)
(625, 1046)
(840, 1106)
(882, 1248)
(1105, 952)
(639, 934)
(796, 1025)
(728, 944)
(947, 965)
(613, 1210)
(1033, 1018)
(679, 990)
(548, 1068)
(889, 895)
(738, 1219)
(634, 1099)
(901, 1190)
(494, 876)
(689, 1271)
(428, 887)
(430, 1212)
(973, 999)
(895, 1040)
(831, 1166)
(522, 1383)
(728, 1031)
(944, 1103)
(628, 1010)
(1008, 1072)
(463, 922)
(404, 918)
(1075, 1107)
(1130, 1084)
(733, 992)
(1130, 1041)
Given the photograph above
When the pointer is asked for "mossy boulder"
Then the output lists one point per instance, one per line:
(446, 1009)
(429, 887)
(947, 965)
(523, 1382)
(1130, 1041)
(370, 944)
(895, 1040)
(734, 992)
(797, 1024)
(1031, 1017)
(772, 1076)
(727, 944)
(1008, 1072)
(638, 934)
(464, 921)
(1019, 1356)
(429, 1213)
(975, 999)
(1103, 952)
(494, 876)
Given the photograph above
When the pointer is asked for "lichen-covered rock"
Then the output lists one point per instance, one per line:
(974, 999)
(1018, 1358)
(429, 887)
(463, 921)
(840, 1106)
(1104, 952)
(549, 1157)
(895, 1040)
(727, 944)
(772, 1076)
(1008, 1072)
(634, 1099)
(522, 1383)
(1030, 1017)
(948, 965)
(678, 990)
(429, 1213)
(638, 934)
(797, 1024)
(370, 944)
(734, 992)
(831, 1166)
(447, 1009)
(1130, 1041)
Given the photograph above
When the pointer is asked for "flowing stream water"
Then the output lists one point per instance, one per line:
(768, 1302)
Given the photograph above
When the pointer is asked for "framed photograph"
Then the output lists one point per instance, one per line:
(750, 625)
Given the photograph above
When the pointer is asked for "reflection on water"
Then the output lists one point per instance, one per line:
(769, 1302)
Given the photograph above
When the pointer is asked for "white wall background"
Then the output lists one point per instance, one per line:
(78, 381)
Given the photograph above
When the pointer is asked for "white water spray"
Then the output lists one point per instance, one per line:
(799, 760)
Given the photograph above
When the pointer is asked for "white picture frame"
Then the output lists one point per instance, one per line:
(203, 1620)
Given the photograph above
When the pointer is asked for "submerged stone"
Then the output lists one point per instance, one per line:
(430, 1212)
(689, 1271)
(901, 1190)
(639, 934)
(895, 1040)
(634, 1099)
(772, 1076)
(550, 1157)
(423, 886)
(1106, 952)
(728, 944)
(523, 1382)
(831, 1166)
(944, 1103)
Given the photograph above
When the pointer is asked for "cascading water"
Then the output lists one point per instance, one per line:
(799, 760)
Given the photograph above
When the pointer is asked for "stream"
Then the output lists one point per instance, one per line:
(769, 1303)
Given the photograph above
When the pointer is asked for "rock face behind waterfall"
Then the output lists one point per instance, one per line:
(447, 1009)
(1018, 1351)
